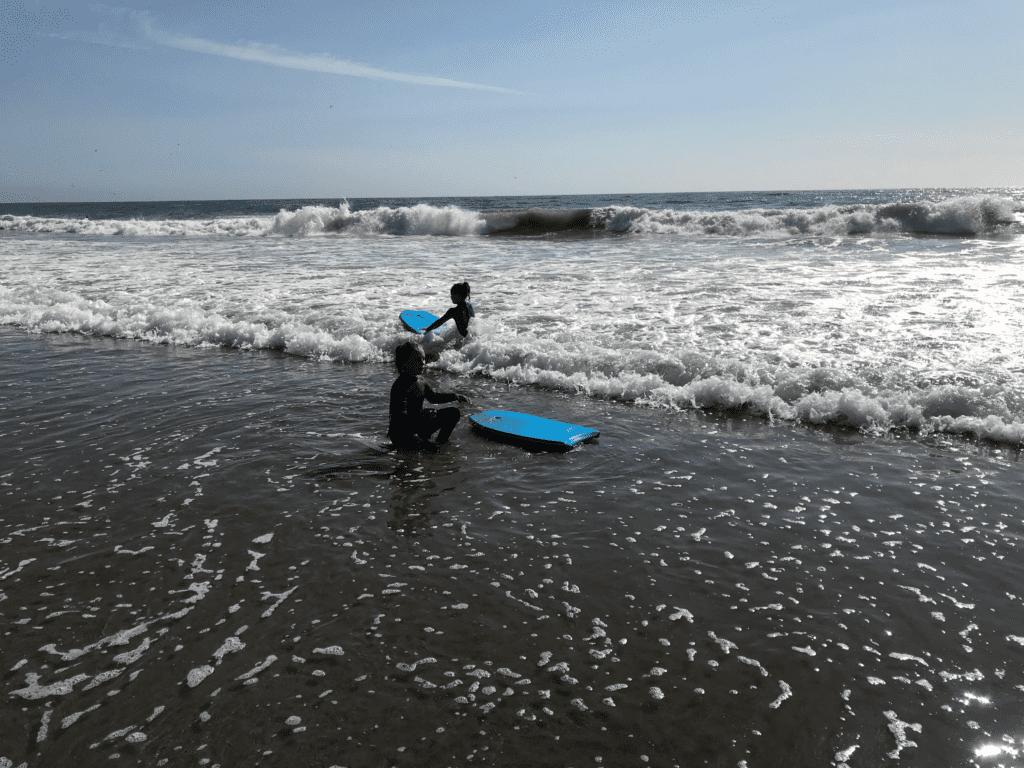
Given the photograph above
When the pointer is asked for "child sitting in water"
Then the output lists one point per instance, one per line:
(460, 313)
(410, 425)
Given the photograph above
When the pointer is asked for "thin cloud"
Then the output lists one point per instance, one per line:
(119, 29)
(132, 29)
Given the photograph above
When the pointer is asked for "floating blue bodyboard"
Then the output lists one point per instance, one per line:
(416, 320)
(531, 431)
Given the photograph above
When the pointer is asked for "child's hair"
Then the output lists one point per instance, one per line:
(461, 290)
(404, 353)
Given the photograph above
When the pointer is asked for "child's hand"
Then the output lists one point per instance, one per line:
(462, 399)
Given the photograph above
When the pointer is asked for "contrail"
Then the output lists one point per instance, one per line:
(260, 53)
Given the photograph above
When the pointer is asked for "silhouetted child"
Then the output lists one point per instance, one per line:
(410, 425)
(460, 313)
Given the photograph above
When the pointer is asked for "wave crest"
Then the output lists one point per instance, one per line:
(219, 227)
(960, 216)
(421, 219)
(964, 216)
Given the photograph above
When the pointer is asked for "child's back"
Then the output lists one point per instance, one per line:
(460, 313)
(410, 425)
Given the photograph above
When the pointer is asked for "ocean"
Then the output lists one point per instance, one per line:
(795, 542)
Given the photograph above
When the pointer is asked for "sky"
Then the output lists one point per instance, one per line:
(294, 99)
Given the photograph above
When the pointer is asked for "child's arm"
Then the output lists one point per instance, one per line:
(442, 397)
(440, 321)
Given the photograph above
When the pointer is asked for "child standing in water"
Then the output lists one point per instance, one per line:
(410, 425)
(460, 313)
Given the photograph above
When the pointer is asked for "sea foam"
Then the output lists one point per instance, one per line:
(676, 378)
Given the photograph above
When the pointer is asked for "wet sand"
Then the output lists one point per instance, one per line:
(180, 587)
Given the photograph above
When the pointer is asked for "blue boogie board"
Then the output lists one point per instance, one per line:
(416, 320)
(531, 431)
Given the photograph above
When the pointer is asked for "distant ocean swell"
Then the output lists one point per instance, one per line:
(962, 216)
(676, 379)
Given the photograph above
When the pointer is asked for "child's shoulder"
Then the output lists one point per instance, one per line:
(404, 381)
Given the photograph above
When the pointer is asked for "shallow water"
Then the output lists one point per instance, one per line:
(691, 589)
(900, 311)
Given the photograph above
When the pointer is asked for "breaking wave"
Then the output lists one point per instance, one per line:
(962, 216)
(959, 216)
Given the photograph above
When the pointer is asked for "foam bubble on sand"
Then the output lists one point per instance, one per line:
(843, 755)
(11, 571)
(35, 691)
(753, 663)
(125, 635)
(71, 655)
(115, 735)
(205, 460)
(231, 645)
(331, 650)
(129, 657)
(257, 669)
(281, 597)
(70, 720)
(725, 645)
(899, 730)
(44, 725)
(197, 675)
(255, 557)
(102, 677)
(200, 588)
(908, 657)
(786, 693)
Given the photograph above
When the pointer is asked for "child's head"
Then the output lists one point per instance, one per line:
(409, 359)
(460, 292)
